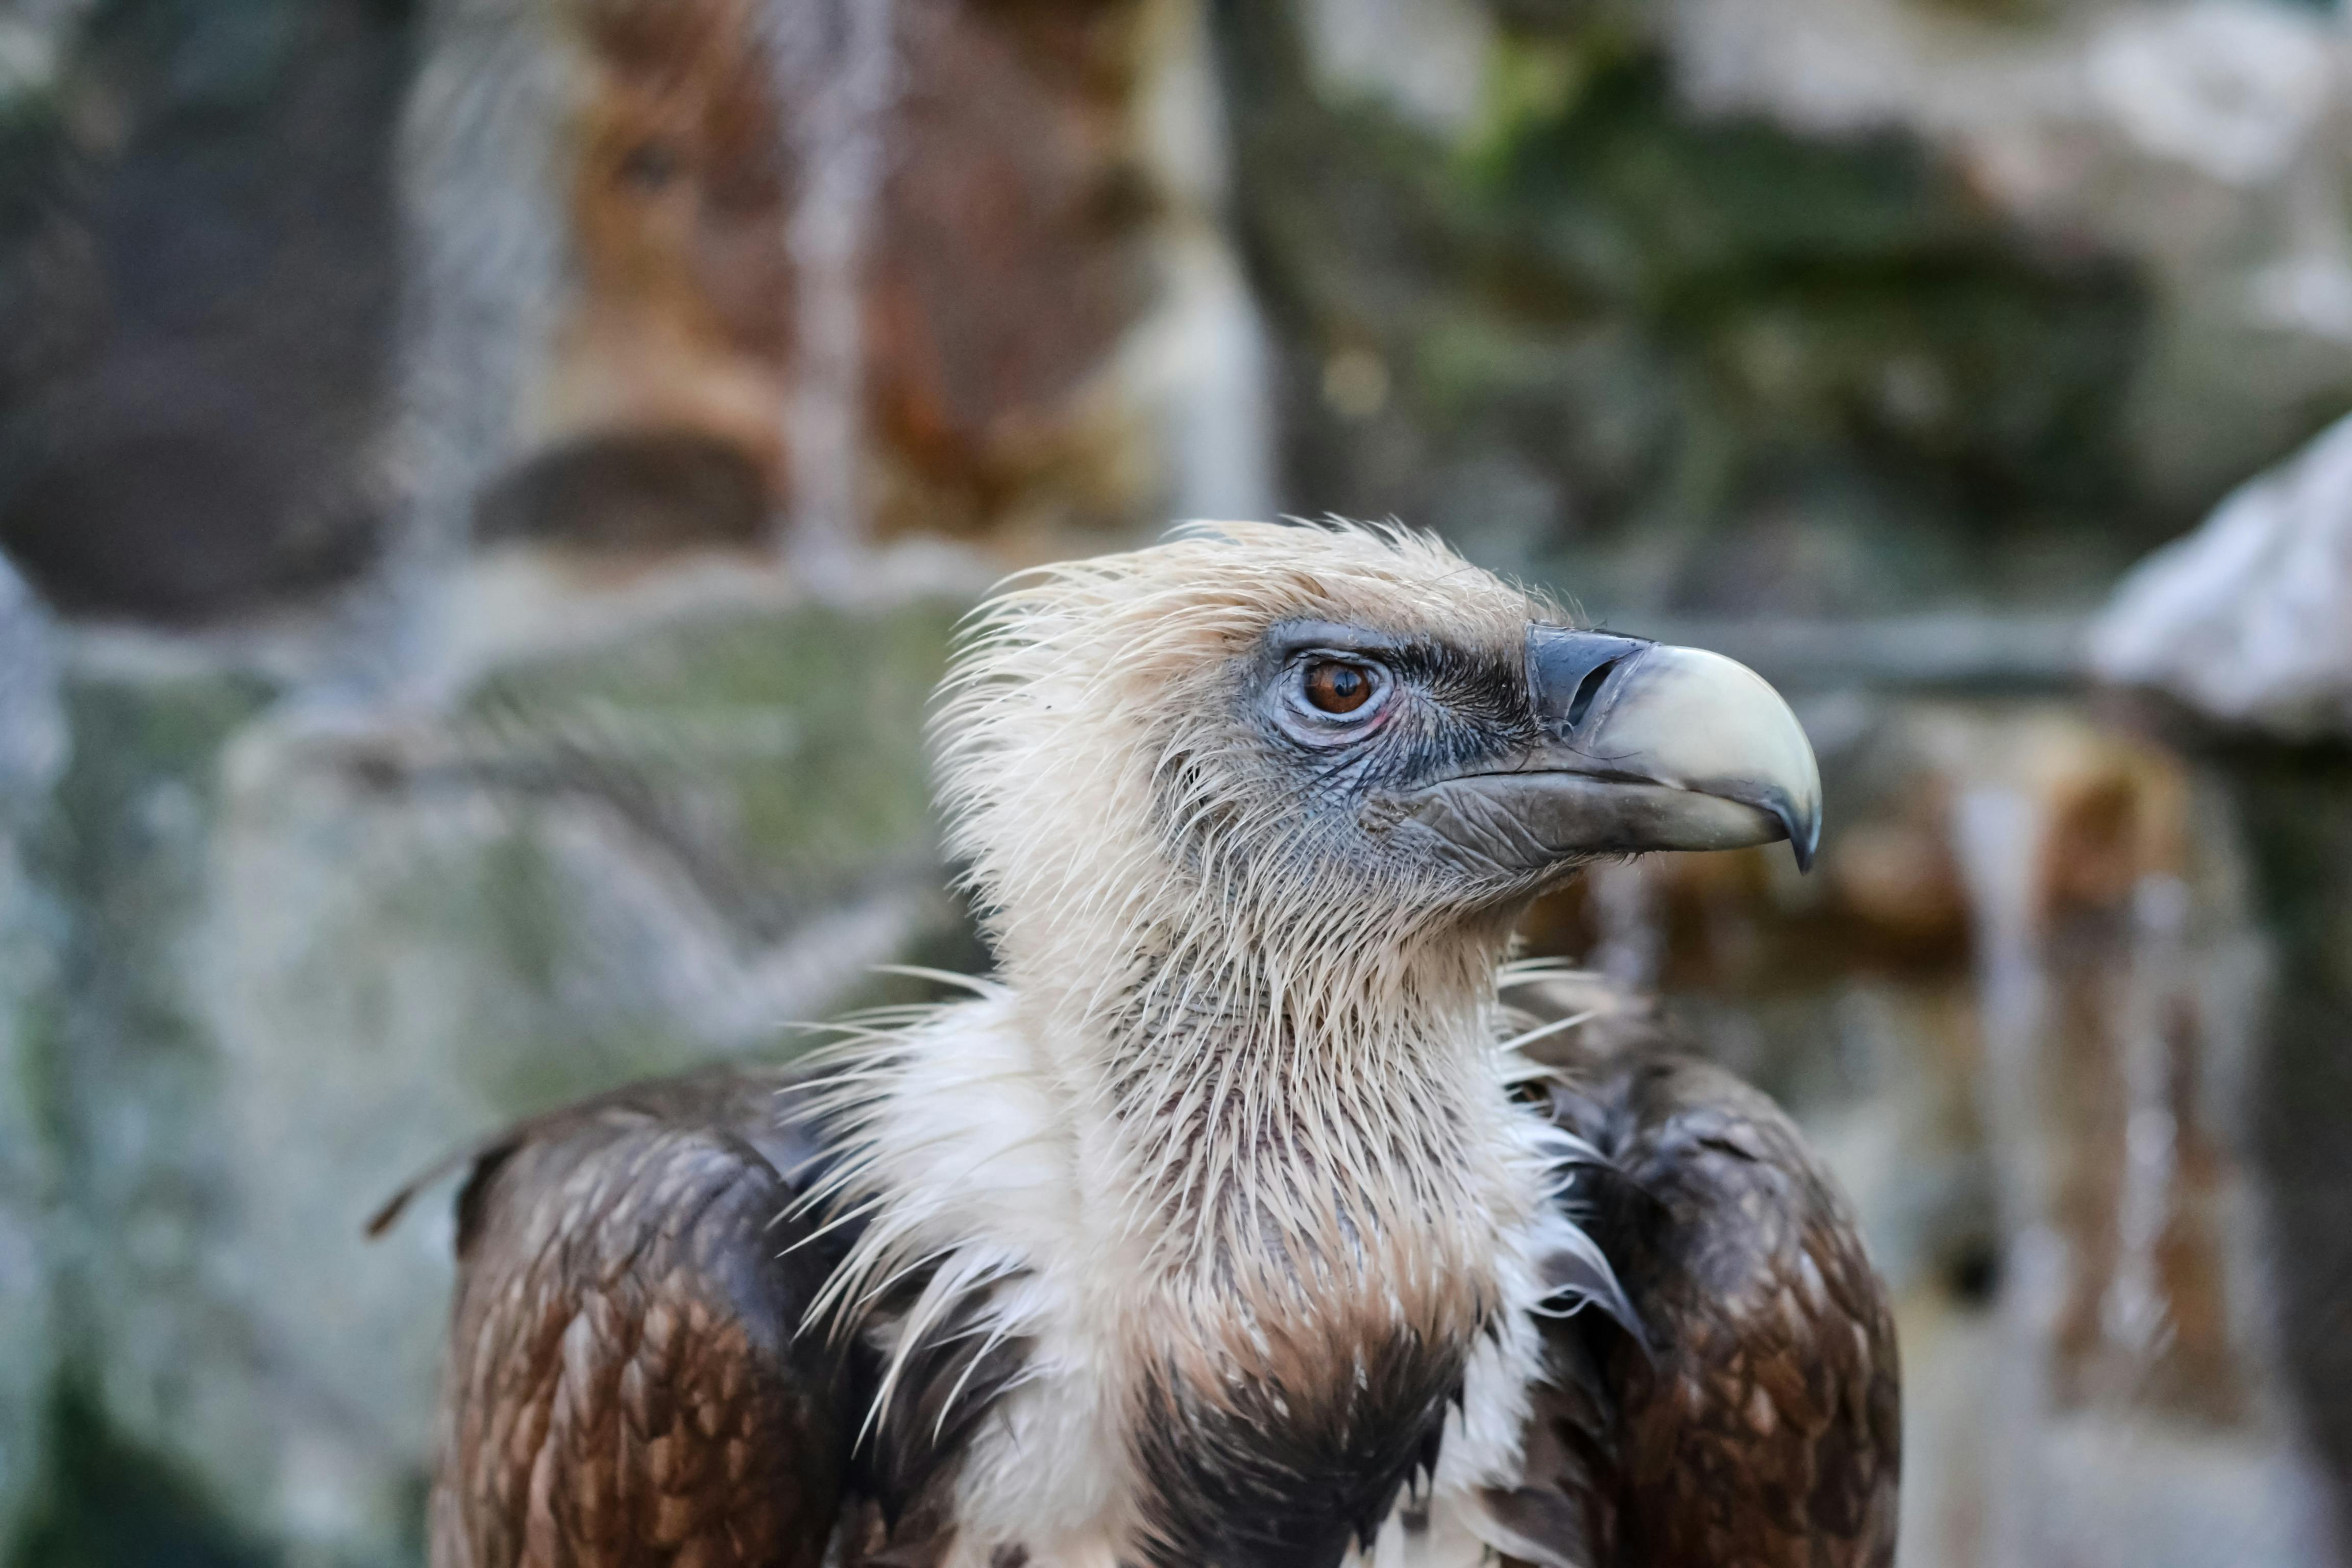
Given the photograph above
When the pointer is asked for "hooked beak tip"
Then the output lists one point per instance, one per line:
(1804, 830)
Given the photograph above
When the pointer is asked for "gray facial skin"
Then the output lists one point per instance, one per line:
(1640, 746)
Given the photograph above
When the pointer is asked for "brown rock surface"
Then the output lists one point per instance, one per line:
(1007, 264)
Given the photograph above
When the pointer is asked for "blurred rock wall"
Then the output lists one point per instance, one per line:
(2206, 141)
(1816, 307)
(197, 284)
(2235, 635)
(32, 750)
(301, 297)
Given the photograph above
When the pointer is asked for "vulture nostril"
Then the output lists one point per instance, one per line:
(1587, 690)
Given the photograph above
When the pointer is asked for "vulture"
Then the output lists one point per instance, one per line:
(1259, 1211)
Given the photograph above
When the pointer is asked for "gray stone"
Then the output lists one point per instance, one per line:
(2249, 619)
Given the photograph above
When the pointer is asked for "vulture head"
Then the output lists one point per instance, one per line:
(1326, 747)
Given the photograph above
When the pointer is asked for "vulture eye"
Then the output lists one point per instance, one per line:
(1334, 686)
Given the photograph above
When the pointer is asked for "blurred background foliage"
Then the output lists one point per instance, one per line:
(487, 486)
(1617, 332)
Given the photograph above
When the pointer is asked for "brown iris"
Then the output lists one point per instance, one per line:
(1337, 688)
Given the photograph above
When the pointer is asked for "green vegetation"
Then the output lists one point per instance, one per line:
(1698, 361)
(779, 757)
(107, 1503)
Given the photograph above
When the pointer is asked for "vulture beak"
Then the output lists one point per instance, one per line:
(1642, 746)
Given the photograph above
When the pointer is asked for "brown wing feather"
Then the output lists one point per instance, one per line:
(624, 1384)
(1760, 1424)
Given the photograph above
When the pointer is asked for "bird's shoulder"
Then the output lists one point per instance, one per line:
(624, 1363)
(663, 1336)
(1752, 1411)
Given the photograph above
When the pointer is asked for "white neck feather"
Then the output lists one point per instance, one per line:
(1275, 1129)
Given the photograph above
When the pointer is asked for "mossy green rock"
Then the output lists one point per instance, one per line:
(1703, 363)
(306, 958)
(32, 739)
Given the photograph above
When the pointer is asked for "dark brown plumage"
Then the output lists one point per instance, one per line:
(625, 1382)
(628, 1382)
(1757, 1419)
